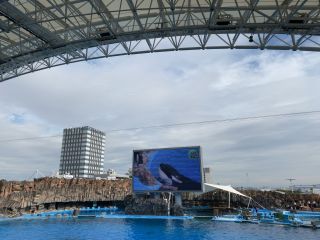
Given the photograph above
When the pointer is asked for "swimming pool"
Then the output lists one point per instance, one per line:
(102, 229)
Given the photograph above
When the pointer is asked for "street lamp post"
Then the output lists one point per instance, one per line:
(291, 180)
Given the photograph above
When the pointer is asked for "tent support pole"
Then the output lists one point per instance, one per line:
(249, 202)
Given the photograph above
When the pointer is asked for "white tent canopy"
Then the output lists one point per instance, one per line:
(209, 187)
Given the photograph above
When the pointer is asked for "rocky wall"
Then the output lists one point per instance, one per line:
(20, 195)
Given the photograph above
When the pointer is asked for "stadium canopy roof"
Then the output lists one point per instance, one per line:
(209, 187)
(39, 34)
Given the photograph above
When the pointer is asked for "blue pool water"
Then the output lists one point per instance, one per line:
(145, 229)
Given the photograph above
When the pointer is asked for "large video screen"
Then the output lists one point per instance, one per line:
(169, 169)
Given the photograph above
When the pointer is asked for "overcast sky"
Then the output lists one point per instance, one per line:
(176, 87)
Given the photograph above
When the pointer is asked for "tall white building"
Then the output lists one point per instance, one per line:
(82, 153)
(207, 175)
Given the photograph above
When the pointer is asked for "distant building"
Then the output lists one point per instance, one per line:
(207, 175)
(111, 171)
(82, 153)
(315, 189)
(66, 176)
(111, 174)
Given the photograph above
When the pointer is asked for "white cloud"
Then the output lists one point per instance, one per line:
(174, 87)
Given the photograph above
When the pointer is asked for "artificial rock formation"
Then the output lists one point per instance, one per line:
(20, 196)
(268, 199)
(154, 204)
(26, 194)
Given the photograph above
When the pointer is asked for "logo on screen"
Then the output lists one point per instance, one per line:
(193, 154)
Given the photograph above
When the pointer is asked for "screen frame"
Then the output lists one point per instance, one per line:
(172, 191)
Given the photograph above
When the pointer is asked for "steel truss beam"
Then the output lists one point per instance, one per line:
(29, 24)
(36, 35)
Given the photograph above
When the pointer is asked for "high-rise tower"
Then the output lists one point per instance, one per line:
(82, 153)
